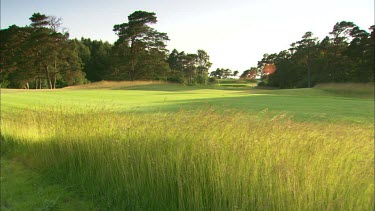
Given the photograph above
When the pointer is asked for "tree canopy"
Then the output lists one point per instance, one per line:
(41, 55)
(143, 48)
(346, 55)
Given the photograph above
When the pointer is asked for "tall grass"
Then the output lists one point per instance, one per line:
(198, 160)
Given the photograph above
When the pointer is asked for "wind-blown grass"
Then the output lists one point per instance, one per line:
(198, 160)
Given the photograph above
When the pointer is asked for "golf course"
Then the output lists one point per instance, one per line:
(150, 145)
(187, 105)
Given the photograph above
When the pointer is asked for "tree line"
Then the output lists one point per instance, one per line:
(346, 55)
(41, 55)
(38, 53)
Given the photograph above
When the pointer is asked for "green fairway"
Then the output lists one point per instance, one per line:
(302, 104)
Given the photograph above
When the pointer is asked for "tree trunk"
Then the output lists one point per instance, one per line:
(54, 82)
(48, 78)
(191, 78)
(308, 75)
(308, 67)
(132, 59)
(54, 76)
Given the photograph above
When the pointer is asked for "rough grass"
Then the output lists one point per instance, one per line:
(170, 147)
(198, 160)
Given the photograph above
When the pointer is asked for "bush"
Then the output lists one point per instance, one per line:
(176, 79)
(4, 84)
(212, 80)
(201, 80)
(262, 83)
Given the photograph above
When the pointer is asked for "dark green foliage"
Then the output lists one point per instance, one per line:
(189, 68)
(140, 51)
(39, 56)
(221, 73)
(97, 58)
(346, 56)
(38, 20)
(250, 74)
(212, 80)
(10, 43)
(204, 64)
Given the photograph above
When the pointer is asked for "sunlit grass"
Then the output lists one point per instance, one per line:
(142, 146)
(303, 104)
(197, 160)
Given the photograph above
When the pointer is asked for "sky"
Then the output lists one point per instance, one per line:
(235, 33)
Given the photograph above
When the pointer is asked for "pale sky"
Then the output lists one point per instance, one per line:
(235, 33)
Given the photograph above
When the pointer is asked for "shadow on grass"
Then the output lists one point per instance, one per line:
(298, 107)
(181, 88)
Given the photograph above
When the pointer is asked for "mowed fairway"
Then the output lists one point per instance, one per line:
(172, 147)
(300, 104)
